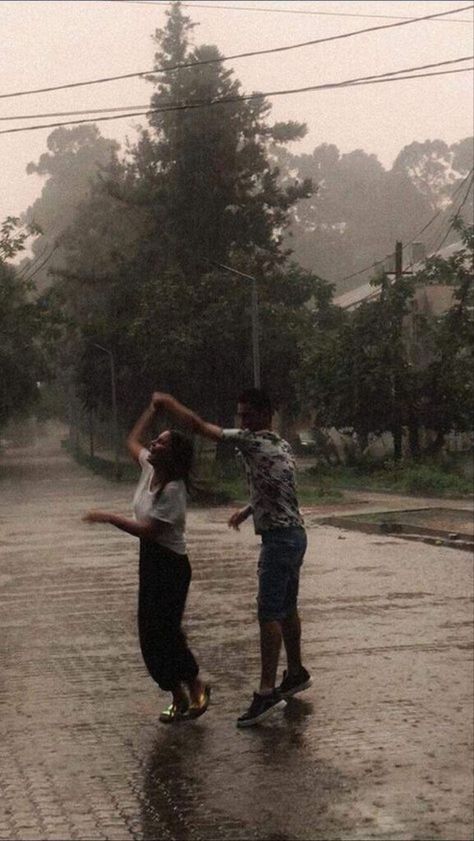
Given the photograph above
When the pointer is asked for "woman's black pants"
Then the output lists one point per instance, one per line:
(164, 579)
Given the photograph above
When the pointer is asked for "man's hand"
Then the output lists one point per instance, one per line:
(96, 517)
(238, 517)
(198, 426)
(159, 400)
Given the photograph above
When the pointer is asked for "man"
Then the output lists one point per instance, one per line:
(274, 506)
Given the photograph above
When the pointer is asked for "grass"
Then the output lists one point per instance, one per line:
(219, 483)
(423, 479)
(227, 478)
(128, 472)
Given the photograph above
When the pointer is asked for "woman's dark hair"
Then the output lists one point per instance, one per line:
(181, 457)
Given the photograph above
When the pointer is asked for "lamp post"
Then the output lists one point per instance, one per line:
(255, 319)
(114, 408)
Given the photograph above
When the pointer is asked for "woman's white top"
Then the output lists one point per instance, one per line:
(169, 506)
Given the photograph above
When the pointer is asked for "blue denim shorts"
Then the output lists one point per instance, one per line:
(279, 566)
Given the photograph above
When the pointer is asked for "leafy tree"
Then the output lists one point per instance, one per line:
(27, 330)
(199, 186)
(216, 183)
(354, 217)
(445, 381)
(74, 159)
(435, 168)
(365, 371)
(359, 370)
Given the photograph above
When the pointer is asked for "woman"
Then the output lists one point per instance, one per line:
(165, 573)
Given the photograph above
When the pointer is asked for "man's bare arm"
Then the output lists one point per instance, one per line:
(239, 517)
(186, 416)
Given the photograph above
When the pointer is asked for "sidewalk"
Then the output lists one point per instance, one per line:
(379, 748)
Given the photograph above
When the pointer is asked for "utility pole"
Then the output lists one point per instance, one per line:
(114, 408)
(398, 431)
(398, 260)
(255, 319)
(255, 335)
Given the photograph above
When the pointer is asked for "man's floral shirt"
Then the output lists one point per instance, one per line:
(270, 469)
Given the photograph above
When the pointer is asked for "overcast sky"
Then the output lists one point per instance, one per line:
(48, 43)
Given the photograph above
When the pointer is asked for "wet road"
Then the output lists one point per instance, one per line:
(379, 748)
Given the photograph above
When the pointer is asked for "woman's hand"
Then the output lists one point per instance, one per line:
(96, 517)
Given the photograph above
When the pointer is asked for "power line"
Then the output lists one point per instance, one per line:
(41, 265)
(244, 98)
(421, 231)
(22, 272)
(170, 105)
(456, 216)
(453, 198)
(241, 8)
(233, 57)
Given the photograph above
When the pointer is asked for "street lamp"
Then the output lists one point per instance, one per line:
(114, 408)
(255, 320)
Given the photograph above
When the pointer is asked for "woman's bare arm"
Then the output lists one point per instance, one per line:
(136, 437)
(145, 529)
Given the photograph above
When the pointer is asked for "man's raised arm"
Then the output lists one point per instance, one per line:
(186, 416)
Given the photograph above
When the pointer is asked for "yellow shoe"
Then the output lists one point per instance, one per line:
(197, 708)
(175, 712)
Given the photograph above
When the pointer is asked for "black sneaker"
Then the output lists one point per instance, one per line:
(261, 707)
(291, 684)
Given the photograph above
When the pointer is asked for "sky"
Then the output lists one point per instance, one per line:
(47, 43)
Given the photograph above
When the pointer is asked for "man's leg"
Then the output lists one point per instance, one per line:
(296, 678)
(291, 630)
(270, 645)
(267, 699)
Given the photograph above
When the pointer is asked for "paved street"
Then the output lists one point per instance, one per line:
(379, 748)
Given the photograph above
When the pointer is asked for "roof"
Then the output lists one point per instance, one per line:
(367, 291)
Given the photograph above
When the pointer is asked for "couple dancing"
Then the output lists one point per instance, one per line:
(165, 573)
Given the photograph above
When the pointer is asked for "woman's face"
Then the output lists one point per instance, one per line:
(160, 449)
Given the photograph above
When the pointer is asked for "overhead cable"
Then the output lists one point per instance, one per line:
(141, 107)
(240, 8)
(23, 271)
(230, 100)
(455, 217)
(233, 57)
(28, 277)
(418, 234)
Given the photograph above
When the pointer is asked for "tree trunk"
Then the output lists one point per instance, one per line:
(414, 437)
(397, 443)
(437, 445)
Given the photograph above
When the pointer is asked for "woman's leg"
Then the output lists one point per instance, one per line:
(164, 584)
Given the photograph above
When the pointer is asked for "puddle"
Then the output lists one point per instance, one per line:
(448, 524)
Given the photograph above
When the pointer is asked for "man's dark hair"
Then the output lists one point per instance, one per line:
(257, 399)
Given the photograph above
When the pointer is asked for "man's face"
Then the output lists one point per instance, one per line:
(250, 418)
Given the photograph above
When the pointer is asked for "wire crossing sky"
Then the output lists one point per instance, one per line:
(281, 49)
(249, 54)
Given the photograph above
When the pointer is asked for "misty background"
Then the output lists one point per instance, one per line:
(117, 230)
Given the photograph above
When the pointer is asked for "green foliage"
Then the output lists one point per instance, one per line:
(358, 209)
(365, 372)
(199, 185)
(72, 163)
(13, 236)
(445, 383)
(427, 479)
(27, 330)
(129, 472)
